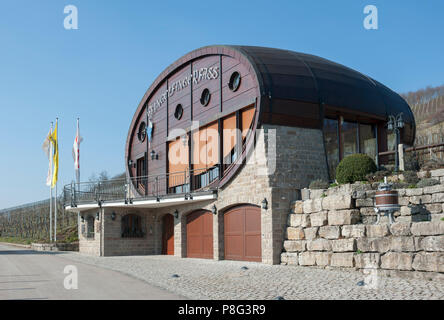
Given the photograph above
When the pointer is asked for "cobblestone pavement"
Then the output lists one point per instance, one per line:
(208, 279)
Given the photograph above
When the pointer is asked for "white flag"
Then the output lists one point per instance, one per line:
(47, 148)
(76, 152)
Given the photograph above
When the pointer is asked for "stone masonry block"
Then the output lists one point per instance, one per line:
(397, 261)
(295, 233)
(427, 228)
(312, 205)
(298, 206)
(422, 199)
(337, 202)
(329, 232)
(353, 231)
(377, 230)
(343, 217)
(319, 245)
(323, 258)
(342, 260)
(307, 258)
(289, 258)
(367, 202)
(367, 260)
(318, 219)
(294, 245)
(343, 245)
(438, 197)
(402, 244)
(433, 262)
(413, 192)
(430, 243)
(400, 229)
(311, 233)
(437, 173)
(299, 220)
(434, 189)
(373, 244)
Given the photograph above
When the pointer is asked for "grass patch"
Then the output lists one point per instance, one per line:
(15, 240)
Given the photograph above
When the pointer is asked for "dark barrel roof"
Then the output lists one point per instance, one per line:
(289, 75)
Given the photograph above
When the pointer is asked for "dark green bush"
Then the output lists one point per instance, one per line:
(354, 168)
(410, 177)
(427, 183)
(319, 184)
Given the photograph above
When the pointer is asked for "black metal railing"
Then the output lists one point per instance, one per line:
(144, 187)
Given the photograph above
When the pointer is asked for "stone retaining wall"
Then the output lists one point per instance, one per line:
(336, 228)
(55, 247)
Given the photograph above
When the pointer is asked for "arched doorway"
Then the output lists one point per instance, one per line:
(200, 234)
(168, 234)
(242, 233)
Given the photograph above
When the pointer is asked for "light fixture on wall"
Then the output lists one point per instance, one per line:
(83, 219)
(214, 209)
(113, 216)
(154, 155)
(98, 216)
(265, 204)
(176, 214)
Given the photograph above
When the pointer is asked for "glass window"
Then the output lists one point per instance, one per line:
(331, 145)
(367, 140)
(349, 135)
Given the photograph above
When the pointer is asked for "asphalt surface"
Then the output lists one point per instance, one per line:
(27, 274)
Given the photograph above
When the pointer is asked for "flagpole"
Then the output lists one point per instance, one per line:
(55, 215)
(50, 189)
(78, 157)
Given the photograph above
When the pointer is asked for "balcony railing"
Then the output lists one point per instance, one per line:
(144, 187)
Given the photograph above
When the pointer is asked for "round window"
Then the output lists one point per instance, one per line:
(235, 81)
(178, 112)
(141, 134)
(205, 97)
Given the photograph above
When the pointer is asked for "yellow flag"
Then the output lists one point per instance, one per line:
(55, 161)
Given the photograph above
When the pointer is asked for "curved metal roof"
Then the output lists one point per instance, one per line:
(304, 77)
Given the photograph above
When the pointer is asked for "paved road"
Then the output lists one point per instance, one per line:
(208, 279)
(27, 274)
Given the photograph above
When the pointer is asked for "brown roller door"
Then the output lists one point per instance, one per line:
(200, 235)
(242, 233)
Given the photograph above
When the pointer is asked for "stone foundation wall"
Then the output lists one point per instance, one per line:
(336, 228)
(55, 247)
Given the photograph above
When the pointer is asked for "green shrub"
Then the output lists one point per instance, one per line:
(377, 176)
(354, 168)
(319, 184)
(427, 183)
(333, 185)
(410, 177)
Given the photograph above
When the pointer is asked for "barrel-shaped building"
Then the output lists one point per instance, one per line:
(224, 140)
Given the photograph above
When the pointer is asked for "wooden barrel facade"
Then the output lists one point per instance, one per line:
(386, 200)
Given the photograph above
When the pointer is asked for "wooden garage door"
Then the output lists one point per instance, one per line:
(200, 235)
(168, 234)
(242, 233)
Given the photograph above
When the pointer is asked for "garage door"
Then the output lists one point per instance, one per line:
(168, 234)
(242, 233)
(200, 235)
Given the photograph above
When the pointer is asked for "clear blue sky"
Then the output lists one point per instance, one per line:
(101, 71)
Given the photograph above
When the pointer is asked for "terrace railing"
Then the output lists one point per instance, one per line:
(141, 187)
